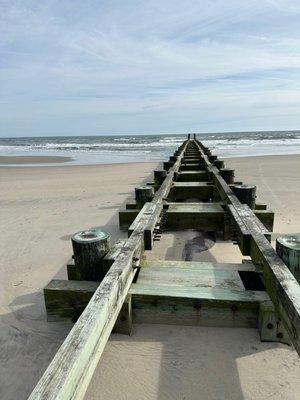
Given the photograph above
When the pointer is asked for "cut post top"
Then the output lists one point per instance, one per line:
(290, 241)
(90, 235)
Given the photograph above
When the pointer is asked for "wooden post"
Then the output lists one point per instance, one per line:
(143, 194)
(288, 249)
(159, 176)
(227, 174)
(89, 247)
(246, 194)
(212, 158)
(219, 164)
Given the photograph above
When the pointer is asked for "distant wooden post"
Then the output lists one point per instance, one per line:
(212, 158)
(228, 175)
(246, 194)
(189, 136)
(143, 194)
(159, 176)
(219, 164)
(89, 247)
(288, 249)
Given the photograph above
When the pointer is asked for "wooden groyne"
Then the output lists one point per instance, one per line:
(114, 287)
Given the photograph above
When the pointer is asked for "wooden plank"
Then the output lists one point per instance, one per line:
(266, 217)
(126, 217)
(270, 325)
(200, 293)
(198, 265)
(66, 300)
(150, 228)
(185, 190)
(208, 216)
(193, 176)
(222, 278)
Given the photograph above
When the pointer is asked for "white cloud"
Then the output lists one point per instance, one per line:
(116, 65)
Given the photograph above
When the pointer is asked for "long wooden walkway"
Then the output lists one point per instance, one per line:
(194, 191)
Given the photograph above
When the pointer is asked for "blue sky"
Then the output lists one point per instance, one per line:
(107, 67)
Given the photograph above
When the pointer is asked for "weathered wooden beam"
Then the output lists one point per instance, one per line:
(126, 218)
(66, 300)
(190, 305)
(207, 216)
(270, 326)
(266, 217)
(288, 249)
(202, 191)
(193, 176)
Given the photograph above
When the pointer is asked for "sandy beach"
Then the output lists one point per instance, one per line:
(41, 207)
(15, 160)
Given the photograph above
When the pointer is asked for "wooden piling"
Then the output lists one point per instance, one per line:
(246, 194)
(159, 176)
(89, 248)
(228, 175)
(144, 194)
(288, 249)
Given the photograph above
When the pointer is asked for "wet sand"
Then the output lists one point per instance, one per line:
(15, 160)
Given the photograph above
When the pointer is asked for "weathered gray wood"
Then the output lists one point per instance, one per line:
(143, 194)
(190, 305)
(187, 190)
(270, 326)
(288, 249)
(125, 318)
(66, 300)
(126, 218)
(227, 174)
(219, 164)
(89, 248)
(208, 216)
(246, 194)
(159, 176)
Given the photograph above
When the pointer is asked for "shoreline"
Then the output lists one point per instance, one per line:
(43, 161)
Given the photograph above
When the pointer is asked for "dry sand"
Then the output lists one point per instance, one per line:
(41, 207)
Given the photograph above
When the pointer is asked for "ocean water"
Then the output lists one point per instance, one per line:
(119, 149)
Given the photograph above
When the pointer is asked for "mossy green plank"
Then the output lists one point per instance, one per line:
(191, 277)
(67, 299)
(201, 293)
(197, 265)
(126, 218)
(270, 325)
(193, 176)
(199, 216)
(266, 217)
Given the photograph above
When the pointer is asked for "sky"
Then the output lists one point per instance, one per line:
(139, 67)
